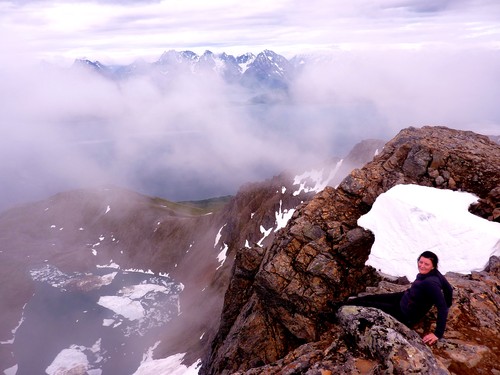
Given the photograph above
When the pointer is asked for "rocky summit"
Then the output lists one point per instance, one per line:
(98, 272)
(272, 320)
(242, 284)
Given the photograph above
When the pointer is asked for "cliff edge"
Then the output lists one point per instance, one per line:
(271, 321)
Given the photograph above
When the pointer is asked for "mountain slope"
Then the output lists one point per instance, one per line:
(265, 70)
(99, 248)
(320, 255)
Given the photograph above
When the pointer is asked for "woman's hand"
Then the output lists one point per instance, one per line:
(430, 339)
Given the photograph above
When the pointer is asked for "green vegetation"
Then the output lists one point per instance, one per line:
(194, 208)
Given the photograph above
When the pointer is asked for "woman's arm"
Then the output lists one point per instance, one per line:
(437, 298)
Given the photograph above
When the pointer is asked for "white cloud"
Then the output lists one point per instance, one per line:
(123, 30)
(394, 64)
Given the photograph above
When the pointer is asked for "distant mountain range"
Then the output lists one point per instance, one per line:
(267, 69)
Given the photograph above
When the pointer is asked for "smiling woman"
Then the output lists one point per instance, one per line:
(429, 289)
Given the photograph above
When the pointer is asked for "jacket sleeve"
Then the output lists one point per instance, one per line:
(438, 299)
(447, 291)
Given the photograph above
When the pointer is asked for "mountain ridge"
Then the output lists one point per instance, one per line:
(231, 263)
(267, 69)
(76, 231)
(320, 256)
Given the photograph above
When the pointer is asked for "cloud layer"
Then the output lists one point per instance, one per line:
(123, 30)
(391, 64)
(200, 137)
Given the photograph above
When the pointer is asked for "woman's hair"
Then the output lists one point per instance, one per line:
(430, 255)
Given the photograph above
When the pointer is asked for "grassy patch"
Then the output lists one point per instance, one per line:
(194, 208)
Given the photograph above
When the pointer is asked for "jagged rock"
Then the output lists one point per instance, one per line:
(380, 336)
(489, 207)
(135, 231)
(270, 321)
(368, 341)
(321, 254)
(471, 342)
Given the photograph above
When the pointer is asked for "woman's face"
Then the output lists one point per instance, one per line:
(424, 265)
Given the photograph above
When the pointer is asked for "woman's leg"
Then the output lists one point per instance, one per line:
(387, 302)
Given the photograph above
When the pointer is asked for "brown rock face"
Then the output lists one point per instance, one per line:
(77, 230)
(272, 305)
(368, 341)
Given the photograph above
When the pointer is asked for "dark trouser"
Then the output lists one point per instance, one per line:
(387, 302)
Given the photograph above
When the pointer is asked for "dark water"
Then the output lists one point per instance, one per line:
(57, 318)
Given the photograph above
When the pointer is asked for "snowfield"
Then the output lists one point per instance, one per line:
(410, 219)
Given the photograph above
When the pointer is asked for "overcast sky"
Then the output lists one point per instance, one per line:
(122, 30)
(394, 64)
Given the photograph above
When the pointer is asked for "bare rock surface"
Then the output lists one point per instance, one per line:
(75, 231)
(274, 321)
(368, 341)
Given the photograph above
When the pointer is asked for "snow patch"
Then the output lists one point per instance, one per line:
(110, 265)
(74, 360)
(11, 370)
(219, 235)
(128, 303)
(282, 217)
(265, 232)
(11, 341)
(221, 257)
(171, 365)
(410, 219)
(107, 322)
(138, 270)
(314, 180)
(124, 306)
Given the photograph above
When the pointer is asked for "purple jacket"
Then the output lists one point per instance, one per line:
(431, 289)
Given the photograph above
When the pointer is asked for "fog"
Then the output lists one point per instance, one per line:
(197, 137)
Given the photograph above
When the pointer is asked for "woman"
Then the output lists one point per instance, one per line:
(429, 289)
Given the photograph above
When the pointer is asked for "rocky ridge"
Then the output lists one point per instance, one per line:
(143, 232)
(76, 231)
(271, 321)
(266, 70)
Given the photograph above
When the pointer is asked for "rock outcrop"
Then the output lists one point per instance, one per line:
(276, 282)
(271, 316)
(368, 341)
(77, 230)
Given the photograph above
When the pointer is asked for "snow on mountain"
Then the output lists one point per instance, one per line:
(124, 308)
(219, 63)
(315, 180)
(102, 313)
(406, 220)
(410, 219)
(245, 60)
(267, 68)
(171, 365)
